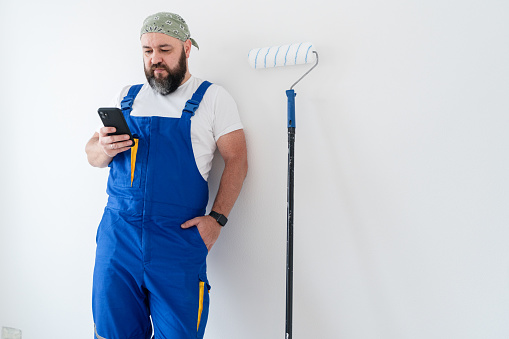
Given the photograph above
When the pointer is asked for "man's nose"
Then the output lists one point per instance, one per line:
(156, 58)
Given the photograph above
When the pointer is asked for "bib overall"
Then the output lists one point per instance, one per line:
(146, 265)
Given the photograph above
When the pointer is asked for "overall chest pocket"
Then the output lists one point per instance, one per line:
(126, 167)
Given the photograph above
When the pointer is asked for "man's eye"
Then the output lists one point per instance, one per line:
(165, 50)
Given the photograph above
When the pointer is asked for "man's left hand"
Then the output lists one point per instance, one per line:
(208, 227)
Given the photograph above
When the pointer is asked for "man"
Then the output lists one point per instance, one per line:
(154, 236)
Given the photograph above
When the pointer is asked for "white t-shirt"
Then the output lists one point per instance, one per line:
(216, 116)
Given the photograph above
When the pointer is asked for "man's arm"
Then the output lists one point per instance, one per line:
(101, 148)
(232, 147)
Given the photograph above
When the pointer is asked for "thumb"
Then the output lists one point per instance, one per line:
(189, 223)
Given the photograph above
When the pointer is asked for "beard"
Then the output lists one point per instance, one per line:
(172, 81)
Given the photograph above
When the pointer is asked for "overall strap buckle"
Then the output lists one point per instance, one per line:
(127, 103)
(193, 104)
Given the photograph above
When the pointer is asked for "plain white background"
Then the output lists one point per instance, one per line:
(401, 219)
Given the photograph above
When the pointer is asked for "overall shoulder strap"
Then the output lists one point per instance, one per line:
(127, 103)
(193, 104)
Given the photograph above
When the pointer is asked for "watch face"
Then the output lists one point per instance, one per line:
(222, 220)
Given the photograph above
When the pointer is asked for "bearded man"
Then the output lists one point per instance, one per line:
(152, 243)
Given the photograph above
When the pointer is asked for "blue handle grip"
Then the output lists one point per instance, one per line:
(291, 107)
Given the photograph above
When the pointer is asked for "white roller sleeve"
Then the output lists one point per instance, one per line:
(286, 55)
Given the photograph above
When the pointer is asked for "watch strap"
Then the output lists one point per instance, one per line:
(221, 219)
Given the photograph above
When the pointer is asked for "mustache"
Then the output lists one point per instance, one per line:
(160, 65)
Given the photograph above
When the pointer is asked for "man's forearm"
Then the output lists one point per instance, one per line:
(95, 154)
(233, 176)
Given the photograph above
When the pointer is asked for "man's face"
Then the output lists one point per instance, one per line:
(165, 61)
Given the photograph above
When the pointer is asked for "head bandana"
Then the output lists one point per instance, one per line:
(168, 23)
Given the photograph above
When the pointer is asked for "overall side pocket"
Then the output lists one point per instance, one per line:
(203, 306)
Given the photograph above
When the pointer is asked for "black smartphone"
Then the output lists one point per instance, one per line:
(113, 117)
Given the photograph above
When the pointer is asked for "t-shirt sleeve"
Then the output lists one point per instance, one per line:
(227, 117)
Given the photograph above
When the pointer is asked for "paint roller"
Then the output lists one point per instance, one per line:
(287, 55)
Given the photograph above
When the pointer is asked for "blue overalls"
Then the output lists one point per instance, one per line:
(146, 264)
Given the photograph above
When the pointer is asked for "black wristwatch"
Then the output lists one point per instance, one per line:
(221, 219)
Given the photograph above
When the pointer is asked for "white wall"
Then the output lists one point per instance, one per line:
(401, 164)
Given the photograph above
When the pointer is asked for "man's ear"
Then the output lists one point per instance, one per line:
(187, 47)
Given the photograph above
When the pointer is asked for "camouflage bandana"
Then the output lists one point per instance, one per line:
(168, 23)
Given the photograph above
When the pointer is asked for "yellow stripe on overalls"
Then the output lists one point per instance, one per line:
(134, 150)
(200, 305)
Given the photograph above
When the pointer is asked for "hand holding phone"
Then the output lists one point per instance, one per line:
(113, 117)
